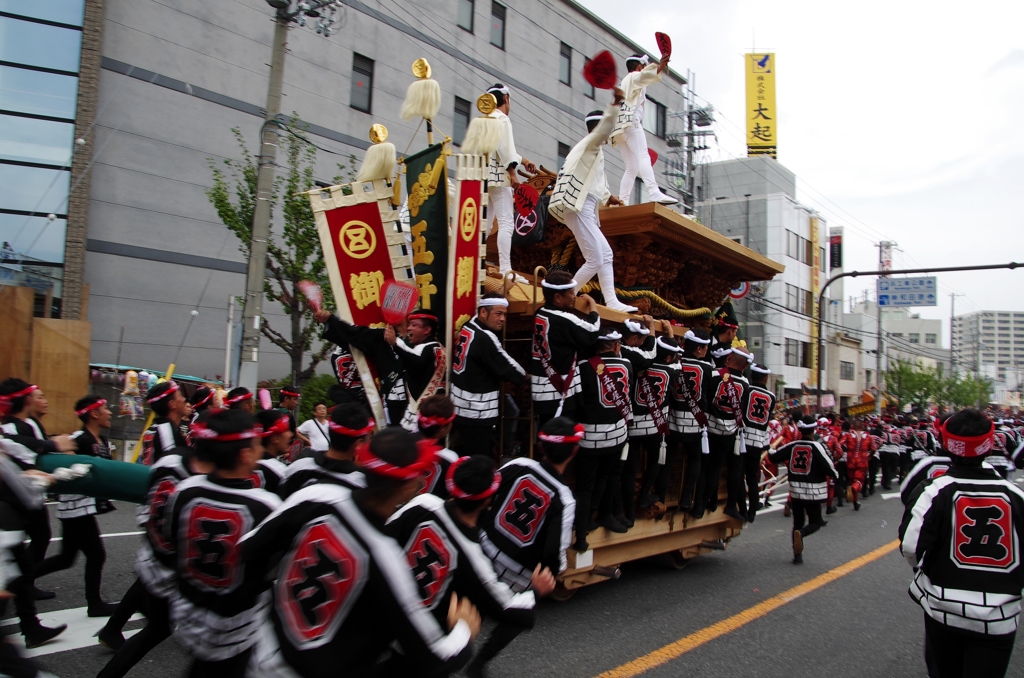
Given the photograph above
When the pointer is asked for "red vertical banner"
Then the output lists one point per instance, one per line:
(360, 254)
(465, 244)
(360, 248)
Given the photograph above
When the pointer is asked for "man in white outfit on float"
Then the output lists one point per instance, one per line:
(628, 134)
(581, 187)
(502, 180)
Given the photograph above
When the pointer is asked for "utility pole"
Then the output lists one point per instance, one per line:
(884, 264)
(325, 11)
(952, 332)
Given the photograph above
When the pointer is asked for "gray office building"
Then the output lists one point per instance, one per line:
(153, 89)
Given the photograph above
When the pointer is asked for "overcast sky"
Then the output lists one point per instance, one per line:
(903, 120)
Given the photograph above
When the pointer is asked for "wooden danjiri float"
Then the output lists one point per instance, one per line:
(671, 267)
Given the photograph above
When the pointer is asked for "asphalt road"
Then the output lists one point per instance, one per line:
(861, 624)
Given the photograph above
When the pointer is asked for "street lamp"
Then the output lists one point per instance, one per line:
(326, 13)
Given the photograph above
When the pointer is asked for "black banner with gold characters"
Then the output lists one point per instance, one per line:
(427, 184)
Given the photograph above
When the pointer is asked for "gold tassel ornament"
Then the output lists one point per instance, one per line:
(423, 98)
(380, 159)
(484, 133)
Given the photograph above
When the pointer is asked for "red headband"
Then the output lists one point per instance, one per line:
(353, 432)
(238, 398)
(431, 422)
(204, 432)
(371, 463)
(161, 396)
(285, 393)
(456, 492)
(280, 425)
(574, 438)
(961, 446)
(19, 394)
(89, 408)
(204, 400)
(422, 316)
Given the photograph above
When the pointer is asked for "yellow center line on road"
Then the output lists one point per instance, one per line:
(705, 635)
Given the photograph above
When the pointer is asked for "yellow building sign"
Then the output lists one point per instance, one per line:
(815, 288)
(762, 121)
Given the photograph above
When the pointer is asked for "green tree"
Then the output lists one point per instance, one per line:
(912, 383)
(293, 253)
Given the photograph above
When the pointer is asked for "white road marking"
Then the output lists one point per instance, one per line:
(890, 495)
(81, 631)
(107, 536)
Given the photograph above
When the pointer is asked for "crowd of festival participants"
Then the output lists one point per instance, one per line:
(378, 547)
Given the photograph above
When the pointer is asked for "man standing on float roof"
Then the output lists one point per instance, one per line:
(502, 179)
(629, 129)
(580, 189)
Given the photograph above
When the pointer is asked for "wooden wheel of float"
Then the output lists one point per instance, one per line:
(562, 593)
(676, 560)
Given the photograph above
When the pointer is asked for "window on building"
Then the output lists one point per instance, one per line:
(846, 370)
(792, 302)
(867, 376)
(588, 89)
(806, 302)
(914, 337)
(39, 64)
(805, 354)
(563, 153)
(931, 338)
(362, 83)
(792, 352)
(896, 335)
(565, 64)
(498, 25)
(461, 121)
(466, 8)
(655, 118)
(808, 252)
(821, 258)
(792, 245)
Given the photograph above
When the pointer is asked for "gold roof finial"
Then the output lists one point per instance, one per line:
(378, 133)
(421, 69)
(487, 103)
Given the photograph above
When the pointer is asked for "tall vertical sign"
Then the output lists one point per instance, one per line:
(762, 121)
(835, 247)
(816, 264)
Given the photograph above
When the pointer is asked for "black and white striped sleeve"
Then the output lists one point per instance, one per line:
(919, 528)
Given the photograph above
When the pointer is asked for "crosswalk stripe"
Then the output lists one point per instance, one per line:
(82, 630)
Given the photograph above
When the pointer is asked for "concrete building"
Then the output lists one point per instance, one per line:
(991, 343)
(154, 89)
(753, 201)
(908, 336)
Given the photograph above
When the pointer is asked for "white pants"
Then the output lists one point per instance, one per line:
(501, 206)
(633, 143)
(595, 248)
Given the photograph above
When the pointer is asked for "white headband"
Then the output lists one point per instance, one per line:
(592, 118)
(567, 286)
(611, 336)
(824, 421)
(750, 358)
(759, 369)
(690, 336)
(721, 352)
(668, 347)
(636, 328)
(806, 427)
(493, 301)
(499, 88)
(644, 59)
